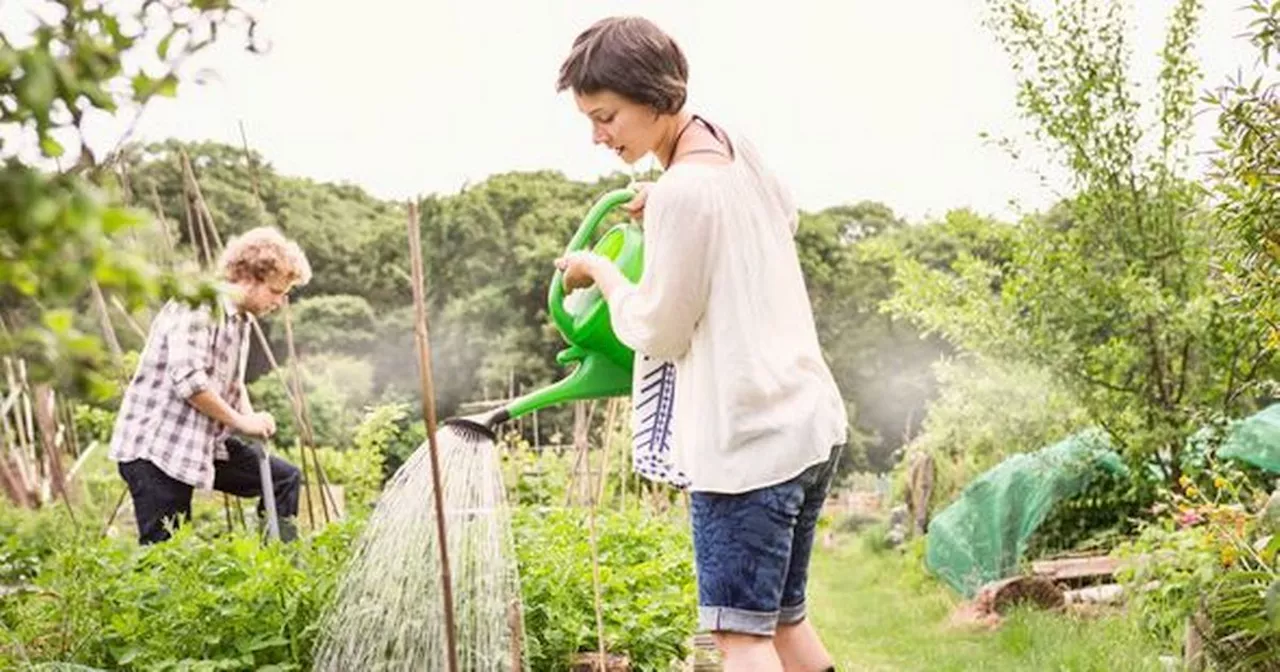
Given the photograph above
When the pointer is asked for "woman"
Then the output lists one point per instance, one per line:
(759, 421)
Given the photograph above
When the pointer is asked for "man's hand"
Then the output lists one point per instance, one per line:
(259, 424)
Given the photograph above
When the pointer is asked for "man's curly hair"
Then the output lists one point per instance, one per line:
(262, 255)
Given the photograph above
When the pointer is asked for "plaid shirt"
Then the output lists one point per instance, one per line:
(188, 350)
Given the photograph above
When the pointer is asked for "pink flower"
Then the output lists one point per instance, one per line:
(1189, 517)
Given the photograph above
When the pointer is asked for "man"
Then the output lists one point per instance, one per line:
(182, 411)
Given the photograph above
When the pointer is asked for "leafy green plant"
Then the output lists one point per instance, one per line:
(646, 572)
(30, 538)
(389, 431)
(94, 423)
(1210, 553)
(1245, 176)
(1102, 514)
(228, 603)
(536, 478)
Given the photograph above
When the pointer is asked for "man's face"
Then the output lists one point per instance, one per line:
(261, 298)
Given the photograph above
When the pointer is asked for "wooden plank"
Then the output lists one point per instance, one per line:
(703, 656)
(1076, 568)
(1107, 593)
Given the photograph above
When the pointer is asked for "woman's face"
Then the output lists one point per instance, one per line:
(628, 128)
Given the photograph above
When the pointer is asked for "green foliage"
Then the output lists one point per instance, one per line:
(73, 66)
(647, 578)
(94, 423)
(29, 540)
(336, 388)
(358, 471)
(1100, 516)
(985, 412)
(59, 233)
(1114, 290)
(881, 363)
(536, 478)
(1245, 178)
(228, 603)
(388, 430)
(334, 323)
(1211, 553)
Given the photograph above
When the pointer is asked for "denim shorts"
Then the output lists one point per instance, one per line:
(752, 551)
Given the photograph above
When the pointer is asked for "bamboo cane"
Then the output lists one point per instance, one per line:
(429, 415)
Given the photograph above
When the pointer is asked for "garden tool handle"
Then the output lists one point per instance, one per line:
(580, 241)
(268, 488)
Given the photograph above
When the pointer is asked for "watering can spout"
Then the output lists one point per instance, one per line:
(602, 363)
(595, 377)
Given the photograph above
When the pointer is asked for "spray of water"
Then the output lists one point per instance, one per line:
(387, 613)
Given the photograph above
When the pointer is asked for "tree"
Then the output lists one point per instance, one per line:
(61, 232)
(1114, 291)
(1246, 174)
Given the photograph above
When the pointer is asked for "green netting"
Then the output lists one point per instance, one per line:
(1255, 440)
(981, 536)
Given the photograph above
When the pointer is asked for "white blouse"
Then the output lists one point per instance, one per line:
(723, 298)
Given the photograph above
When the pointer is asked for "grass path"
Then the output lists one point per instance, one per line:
(877, 611)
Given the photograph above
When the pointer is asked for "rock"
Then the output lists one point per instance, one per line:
(1270, 514)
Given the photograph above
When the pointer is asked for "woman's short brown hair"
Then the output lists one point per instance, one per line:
(263, 255)
(631, 57)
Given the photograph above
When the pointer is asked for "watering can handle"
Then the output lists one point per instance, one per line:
(580, 241)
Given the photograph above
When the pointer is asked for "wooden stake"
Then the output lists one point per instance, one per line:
(306, 478)
(226, 506)
(201, 207)
(301, 397)
(133, 324)
(429, 414)
(104, 318)
(24, 456)
(12, 486)
(205, 257)
(124, 490)
(253, 166)
(12, 460)
(583, 412)
(595, 552)
(48, 423)
(610, 416)
(240, 513)
(164, 225)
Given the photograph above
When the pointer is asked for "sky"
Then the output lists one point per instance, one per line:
(847, 100)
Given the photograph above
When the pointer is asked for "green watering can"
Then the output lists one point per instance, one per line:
(603, 364)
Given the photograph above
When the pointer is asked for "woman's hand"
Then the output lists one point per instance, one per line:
(578, 268)
(635, 206)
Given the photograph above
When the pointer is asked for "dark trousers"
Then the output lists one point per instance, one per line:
(161, 502)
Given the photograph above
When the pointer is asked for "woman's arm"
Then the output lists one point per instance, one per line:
(658, 315)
